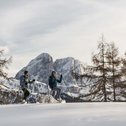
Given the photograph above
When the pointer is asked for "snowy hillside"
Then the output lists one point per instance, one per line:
(10, 89)
(37, 87)
(10, 93)
(92, 114)
(41, 67)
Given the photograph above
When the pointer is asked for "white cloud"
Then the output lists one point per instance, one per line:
(59, 27)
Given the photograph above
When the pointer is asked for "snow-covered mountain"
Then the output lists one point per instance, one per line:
(65, 66)
(40, 68)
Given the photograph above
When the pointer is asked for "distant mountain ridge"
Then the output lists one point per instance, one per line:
(40, 68)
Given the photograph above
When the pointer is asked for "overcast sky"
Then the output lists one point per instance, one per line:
(61, 28)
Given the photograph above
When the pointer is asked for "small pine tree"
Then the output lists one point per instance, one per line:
(4, 62)
(100, 70)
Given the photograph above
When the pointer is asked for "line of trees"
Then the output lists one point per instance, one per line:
(108, 74)
(107, 67)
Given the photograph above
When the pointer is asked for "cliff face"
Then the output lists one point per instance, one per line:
(41, 67)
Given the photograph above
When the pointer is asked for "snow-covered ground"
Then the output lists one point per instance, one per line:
(79, 114)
